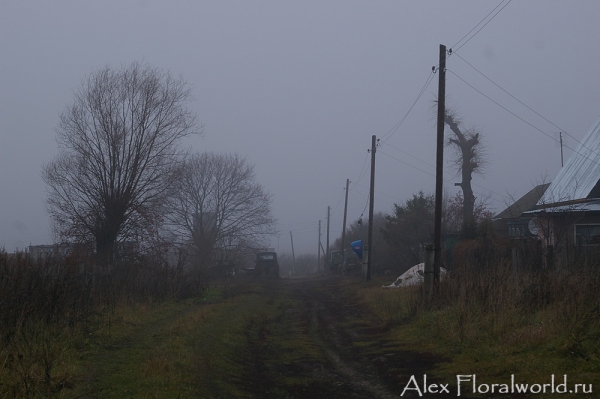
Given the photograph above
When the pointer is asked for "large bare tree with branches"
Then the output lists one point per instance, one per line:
(470, 159)
(218, 209)
(119, 154)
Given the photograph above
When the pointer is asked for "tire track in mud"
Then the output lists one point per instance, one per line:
(338, 329)
(322, 330)
(319, 369)
(317, 294)
(285, 339)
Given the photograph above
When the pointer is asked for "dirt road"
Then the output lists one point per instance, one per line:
(286, 338)
(350, 356)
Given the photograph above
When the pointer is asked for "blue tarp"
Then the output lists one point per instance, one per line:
(357, 248)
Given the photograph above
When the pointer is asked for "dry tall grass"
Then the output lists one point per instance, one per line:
(45, 305)
(495, 303)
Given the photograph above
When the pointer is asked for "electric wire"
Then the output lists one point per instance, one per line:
(393, 197)
(528, 107)
(520, 118)
(446, 180)
(433, 166)
(407, 164)
(366, 203)
(389, 134)
(412, 156)
(428, 81)
(362, 171)
(355, 197)
(479, 30)
(364, 209)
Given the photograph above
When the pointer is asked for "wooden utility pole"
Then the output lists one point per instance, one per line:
(327, 251)
(439, 166)
(428, 270)
(344, 226)
(562, 163)
(293, 256)
(371, 203)
(319, 250)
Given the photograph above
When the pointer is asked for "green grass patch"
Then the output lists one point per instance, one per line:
(213, 346)
(491, 338)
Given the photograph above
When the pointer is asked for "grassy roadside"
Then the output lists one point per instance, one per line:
(248, 340)
(238, 340)
(182, 349)
(532, 344)
(251, 339)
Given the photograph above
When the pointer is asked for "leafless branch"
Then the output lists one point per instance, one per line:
(119, 154)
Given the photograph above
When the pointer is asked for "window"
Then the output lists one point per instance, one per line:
(587, 234)
(515, 230)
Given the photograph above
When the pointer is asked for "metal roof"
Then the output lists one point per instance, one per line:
(524, 203)
(589, 206)
(581, 172)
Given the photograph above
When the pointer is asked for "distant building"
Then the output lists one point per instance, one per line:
(42, 252)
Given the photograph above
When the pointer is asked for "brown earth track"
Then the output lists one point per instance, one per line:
(288, 338)
(358, 353)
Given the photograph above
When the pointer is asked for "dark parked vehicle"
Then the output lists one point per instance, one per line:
(265, 265)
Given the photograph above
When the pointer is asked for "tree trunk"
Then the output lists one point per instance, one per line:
(466, 144)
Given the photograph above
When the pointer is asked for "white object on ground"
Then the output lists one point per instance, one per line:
(413, 276)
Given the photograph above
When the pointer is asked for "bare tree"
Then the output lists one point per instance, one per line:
(118, 155)
(470, 159)
(218, 209)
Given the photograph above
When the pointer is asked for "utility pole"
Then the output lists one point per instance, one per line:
(439, 166)
(293, 256)
(344, 226)
(327, 252)
(319, 250)
(371, 203)
(561, 150)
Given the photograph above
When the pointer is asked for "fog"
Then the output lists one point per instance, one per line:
(300, 87)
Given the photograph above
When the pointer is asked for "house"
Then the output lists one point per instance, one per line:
(567, 216)
(512, 222)
(43, 252)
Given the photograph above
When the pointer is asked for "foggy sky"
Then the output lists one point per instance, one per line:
(299, 88)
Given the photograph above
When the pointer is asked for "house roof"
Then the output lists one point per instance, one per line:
(588, 206)
(580, 175)
(524, 203)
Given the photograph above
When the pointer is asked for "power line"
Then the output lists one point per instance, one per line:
(445, 180)
(355, 197)
(362, 171)
(397, 125)
(407, 164)
(520, 118)
(433, 166)
(526, 106)
(453, 50)
(362, 195)
(428, 81)
(412, 156)
(339, 201)
(502, 106)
